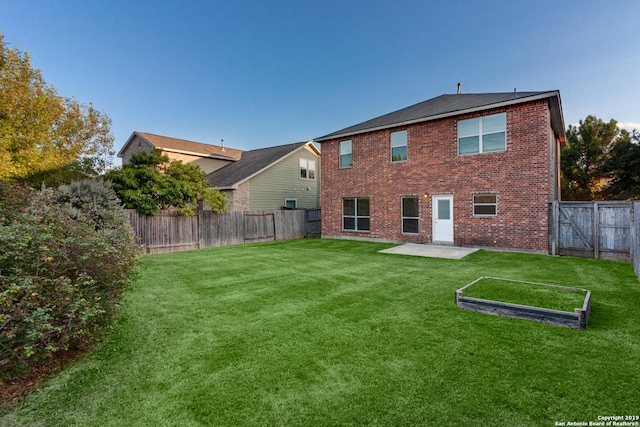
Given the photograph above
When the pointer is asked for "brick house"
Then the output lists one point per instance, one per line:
(463, 169)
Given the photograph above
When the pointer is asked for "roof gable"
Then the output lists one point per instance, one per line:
(254, 162)
(451, 105)
(184, 146)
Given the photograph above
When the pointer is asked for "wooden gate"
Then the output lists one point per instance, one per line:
(313, 226)
(601, 230)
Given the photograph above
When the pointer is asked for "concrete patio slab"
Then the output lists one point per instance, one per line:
(432, 251)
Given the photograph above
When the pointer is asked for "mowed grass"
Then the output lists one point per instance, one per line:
(527, 293)
(331, 332)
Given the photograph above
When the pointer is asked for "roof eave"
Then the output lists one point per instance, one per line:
(557, 118)
(194, 153)
(227, 187)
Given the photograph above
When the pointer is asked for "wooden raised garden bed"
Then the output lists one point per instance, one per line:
(556, 305)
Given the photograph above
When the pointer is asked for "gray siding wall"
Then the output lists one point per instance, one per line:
(206, 164)
(137, 145)
(269, 189)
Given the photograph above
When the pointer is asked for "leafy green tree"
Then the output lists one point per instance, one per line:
(185, 184)
(137, 183)
(623, 168)
(44, 137)
(150, 182)
(582, 159)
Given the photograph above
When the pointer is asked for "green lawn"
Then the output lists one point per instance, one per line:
(526, 293)
(331, 332)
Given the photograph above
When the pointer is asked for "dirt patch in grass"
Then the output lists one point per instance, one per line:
(16, 387)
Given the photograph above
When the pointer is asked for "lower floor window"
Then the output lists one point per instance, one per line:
(290, 203)
(355, 214)
(410, 215)
(485, 204)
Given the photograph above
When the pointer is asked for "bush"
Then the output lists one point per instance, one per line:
(13, 199)
(66, 257)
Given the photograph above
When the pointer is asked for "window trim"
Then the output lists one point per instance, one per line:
(406, 145)
(307, 169)
(481, 135)
(295, 202)
(355, 216)
(474, 204)
(340, 154)
(403, 216)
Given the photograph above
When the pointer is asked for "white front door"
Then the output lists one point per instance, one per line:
(442, 209)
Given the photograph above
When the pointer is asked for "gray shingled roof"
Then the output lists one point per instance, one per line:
(250, 163)
(445, 106)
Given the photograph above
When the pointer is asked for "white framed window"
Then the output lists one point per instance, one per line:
(355, 214)
(399, 146)
(485, 204)
(482, 134)
(345, 154)
(307, 169)
(290, 203)
(410, 215)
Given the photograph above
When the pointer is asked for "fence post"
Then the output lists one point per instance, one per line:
(635, 236)
(554, 234)
(596, 231)
(200, 238)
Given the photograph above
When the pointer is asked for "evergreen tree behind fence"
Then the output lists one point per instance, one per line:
(170, 232)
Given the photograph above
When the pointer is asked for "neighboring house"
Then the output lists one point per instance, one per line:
(208, 157)
(263, 179)
(464, 169)
(272, 178)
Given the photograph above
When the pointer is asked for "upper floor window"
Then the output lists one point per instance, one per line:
(345, 154)
(307, 169)
(399, 146)
(485, 204)
(482, 134)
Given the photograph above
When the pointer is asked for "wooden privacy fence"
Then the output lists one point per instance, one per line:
(601, 230)
(170, 232)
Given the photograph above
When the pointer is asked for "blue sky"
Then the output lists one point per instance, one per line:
(262, 73)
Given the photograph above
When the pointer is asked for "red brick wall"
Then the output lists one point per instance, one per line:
(519, 176)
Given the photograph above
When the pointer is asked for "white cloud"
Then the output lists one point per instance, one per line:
(629, 126)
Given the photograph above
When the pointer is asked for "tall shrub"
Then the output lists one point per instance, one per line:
(66, 257)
